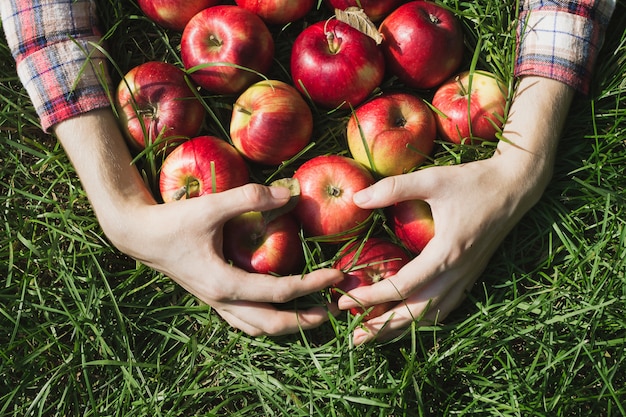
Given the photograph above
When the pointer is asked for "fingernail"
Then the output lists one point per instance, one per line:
(340, 277)
(361, 197)
(346, 303)
(359, 337)
(280, 193)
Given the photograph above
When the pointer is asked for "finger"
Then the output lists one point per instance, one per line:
(393, 189)
(249, 197)
(239, 324)
(432, 306)
(243, 286)
(261, 319)
(409, 278)
(393, 328)
(396, 321)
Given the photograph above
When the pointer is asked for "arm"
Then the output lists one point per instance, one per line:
(183, 239)
(67, 90)
(502, 188)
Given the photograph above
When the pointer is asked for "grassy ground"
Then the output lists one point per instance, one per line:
(86, 331)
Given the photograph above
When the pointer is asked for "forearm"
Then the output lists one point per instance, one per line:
(531, 134)
(97, 150)
(536, 117)
(557, 46)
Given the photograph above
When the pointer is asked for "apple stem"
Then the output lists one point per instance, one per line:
(461, 86)
(434, 19)
(242, 109)
(186, 190)
(400, 121)
(213, 40)
(333, 42)
(147, 113)
(180, 193)
(334, 191)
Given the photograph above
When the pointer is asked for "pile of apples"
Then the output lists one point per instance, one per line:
(367, 60)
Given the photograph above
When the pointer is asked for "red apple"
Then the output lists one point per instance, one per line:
(256, 246)
(278, 12)
(199, 166)
(422, 43)
(271, 122)
(155, 101)
(366, 264)
(392, 133)
(471, 106)
(225, 48)
(335, 64)
(374, 9)
(174, 14)
(325, 207)
(412, 222)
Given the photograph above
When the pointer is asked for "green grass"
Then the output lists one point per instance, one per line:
(87, 331)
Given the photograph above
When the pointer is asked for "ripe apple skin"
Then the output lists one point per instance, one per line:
(255, 246)
(271, 122)
(476, 114)
(278, 12)
(423, 43)
(377, 259)
(335, 64)
(154, 98)
(223, 35)
(376, 10)
(187, 171)
(325, 207)
(174, 14)
(412, 222)
(399, 130)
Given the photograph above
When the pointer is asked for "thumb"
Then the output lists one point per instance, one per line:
(250, 197)
(390, 190)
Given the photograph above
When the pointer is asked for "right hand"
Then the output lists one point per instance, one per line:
(184, 239)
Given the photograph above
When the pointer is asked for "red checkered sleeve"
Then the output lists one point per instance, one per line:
(561, 39)
(53, 43)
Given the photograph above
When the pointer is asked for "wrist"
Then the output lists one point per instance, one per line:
(526, 175)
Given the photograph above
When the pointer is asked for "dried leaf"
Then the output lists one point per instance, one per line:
(356, 17)
(294, 187)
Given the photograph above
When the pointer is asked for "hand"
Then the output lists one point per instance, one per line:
(474, 207)
(184, 239)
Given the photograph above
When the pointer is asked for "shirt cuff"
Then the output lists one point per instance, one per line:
(66, 79)
(559, 45)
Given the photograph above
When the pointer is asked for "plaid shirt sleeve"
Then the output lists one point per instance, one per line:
(52, 43)
(560, 39)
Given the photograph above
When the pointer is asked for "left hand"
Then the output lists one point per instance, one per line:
(474, 206)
